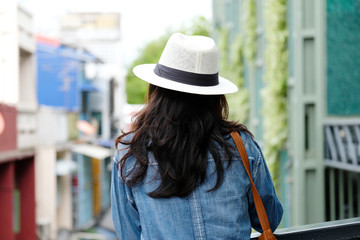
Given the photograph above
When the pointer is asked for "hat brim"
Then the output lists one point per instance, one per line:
(146, 73)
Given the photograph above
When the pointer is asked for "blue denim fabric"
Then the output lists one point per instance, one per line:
(226, 213)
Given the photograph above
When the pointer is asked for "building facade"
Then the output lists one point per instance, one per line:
(53, 173)
(319, 175)
(18, 108)
(79, 179)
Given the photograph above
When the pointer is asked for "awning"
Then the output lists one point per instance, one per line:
(16, 154)
(92, 151)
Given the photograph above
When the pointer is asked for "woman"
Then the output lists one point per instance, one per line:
(177, 173)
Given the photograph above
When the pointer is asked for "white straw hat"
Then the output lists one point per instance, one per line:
(187, 64)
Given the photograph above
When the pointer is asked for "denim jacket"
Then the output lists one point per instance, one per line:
(226, 213)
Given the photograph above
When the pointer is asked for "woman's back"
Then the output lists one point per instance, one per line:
(226, 213)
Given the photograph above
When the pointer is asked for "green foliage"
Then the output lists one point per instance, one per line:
(232, 68)
(136, 88)
(250, 30)
(275, 77)
(198, 26)
(223, 47)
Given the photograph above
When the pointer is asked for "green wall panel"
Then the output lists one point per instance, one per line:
(343, 57)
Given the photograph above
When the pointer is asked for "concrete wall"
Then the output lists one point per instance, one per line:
(45, 180)
(64, 197)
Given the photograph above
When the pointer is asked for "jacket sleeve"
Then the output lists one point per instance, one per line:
(124, 212)
(265, 187)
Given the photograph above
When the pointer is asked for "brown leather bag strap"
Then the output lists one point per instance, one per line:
(264, 222)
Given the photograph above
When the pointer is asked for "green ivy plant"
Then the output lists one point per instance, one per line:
(249, 24)
(275, 76)
(232, 68)
(223, 46)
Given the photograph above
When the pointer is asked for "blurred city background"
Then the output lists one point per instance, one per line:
(67, 90)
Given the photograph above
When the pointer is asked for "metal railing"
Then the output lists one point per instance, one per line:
(342, 147)
(348, 229)
(342, 175)
(88, 236)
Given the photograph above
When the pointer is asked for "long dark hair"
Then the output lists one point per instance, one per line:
(179, 129)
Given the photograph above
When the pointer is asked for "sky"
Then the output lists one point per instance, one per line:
(141, 20)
